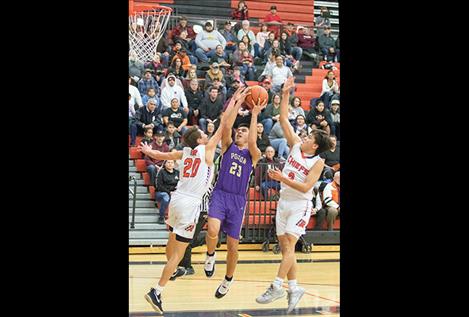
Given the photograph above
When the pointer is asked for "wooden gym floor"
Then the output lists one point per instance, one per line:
(318, 273)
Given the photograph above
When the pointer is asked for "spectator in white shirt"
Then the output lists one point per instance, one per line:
(170, 91)
(135, 97)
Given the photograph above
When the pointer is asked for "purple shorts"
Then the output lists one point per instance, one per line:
(229, 209)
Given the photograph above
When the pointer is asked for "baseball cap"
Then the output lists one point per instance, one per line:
(335, 102)
(273, 7)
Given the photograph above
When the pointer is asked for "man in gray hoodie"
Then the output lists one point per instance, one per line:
(207, 42)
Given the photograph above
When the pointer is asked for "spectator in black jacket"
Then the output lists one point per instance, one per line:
(172, 137)
(262, 178)
(166, 183)
(320, 118)
(332, 156)
(210, 108)
(262, 139)
(194, 98)
(146, 117)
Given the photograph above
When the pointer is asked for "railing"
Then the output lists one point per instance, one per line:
(134, 199)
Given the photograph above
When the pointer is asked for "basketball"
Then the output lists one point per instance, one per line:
(256, 93)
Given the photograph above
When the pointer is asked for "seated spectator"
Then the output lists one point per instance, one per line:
(337, 48)
(296, 51)
(295, 110)
(320, 118)
(262, 138)
(235, 76)
(274, 49)
(335, 113)
(176, 115)
(332, 156)
(241, 13)
(331, 56)
(269, 66)
(273, 20)
(131, 112)
(261, 38)
(271, 115)
(164, 49)
(215, 73)
(183, 27)
(155, 65)
(171, 90)
(262, 177)
(153, 165)
(330, 89)
(278, 141)
(147, 136)
(248, 69)
(189, 45)
(194, 98)
(237, 57)
(229, 36)
(269, 42)
(267, 84)
(146, 82)
(322, 21)
(136, 67)
(279, 74)
(135, 97)
(151, 94)
(286, 51)
(145, 117)
(207, 41)
(168, 179)
(300, 125)
(176, 68)
(326, 41)
(186, 60)
(210, 108)
(221, 58)
(330, 203)
(172, 137)
(306, 41)
(235, 84)
(253, 46)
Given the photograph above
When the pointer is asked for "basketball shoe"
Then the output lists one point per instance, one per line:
(154, 300)
(270, 295)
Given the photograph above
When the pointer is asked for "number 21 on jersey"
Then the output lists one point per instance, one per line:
(236, 169)
(191, 163)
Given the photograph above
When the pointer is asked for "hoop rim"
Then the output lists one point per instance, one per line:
(141, 9)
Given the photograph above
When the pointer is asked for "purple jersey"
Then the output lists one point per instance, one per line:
(235, 171)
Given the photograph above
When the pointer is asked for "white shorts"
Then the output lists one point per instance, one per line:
(292, 217)
(183, 214)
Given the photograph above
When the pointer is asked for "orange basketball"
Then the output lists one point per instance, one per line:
(256, 93)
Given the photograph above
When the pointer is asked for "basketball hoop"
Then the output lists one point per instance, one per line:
(146, 28)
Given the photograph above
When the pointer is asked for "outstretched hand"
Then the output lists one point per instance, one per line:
(144, 148)
(258, 107)
(241, 94)
(289, 84)
(275, 174)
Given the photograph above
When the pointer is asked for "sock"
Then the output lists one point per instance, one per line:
(159, 289)
(292, 285)
(278, 283)
(211, 254)
(229, 279)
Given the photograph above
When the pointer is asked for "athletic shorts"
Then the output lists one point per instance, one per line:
(183, 214)
(292, 217)
(229, 209)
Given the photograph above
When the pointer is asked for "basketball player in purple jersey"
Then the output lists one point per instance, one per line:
(228, 201)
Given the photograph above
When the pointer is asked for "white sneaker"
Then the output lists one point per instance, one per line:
(209, 267)
(294, 297)
(223, 288)
(270, 295)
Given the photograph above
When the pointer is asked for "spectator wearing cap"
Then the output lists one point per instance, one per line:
(261, 37)
(135, 97)
(151, 94)
(235, 76)
(326, 41)
(296, 50)
(330, 89)
(194, 98)
(214, 77)
(154, 165)
(330, 203)
(210, 108)
(306, 41)
(136, 67)
(250, 34)
(170, 91)
(273, 20)
(145, 117)
(182, 27)
(146, 82)
(221, 58)
(167, 181)
(176, 115)
(322, 21)
(207, 41)
(335, 113)
(229, 36)
(279, 74)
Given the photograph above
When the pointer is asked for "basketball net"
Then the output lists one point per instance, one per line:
(145, 31)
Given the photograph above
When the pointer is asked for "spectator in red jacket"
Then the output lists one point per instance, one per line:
(182, 26)
(241, 13)
(306, 41)
(274, 21)
(153, 165)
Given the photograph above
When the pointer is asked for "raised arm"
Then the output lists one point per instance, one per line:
(157, 155)
(215, 139)
(230, 113)
(252, 137)
(288, 132)
(311, 179)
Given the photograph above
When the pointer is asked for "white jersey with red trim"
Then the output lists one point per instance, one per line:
(297, 168)
(195, 176)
